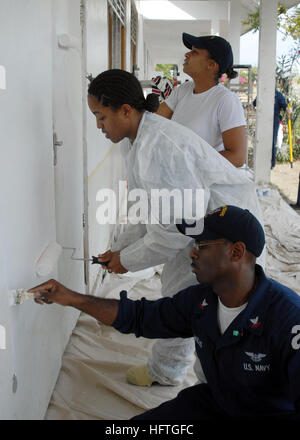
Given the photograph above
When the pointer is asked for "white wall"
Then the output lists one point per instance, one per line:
(97, 61)
(140, 55)
(105, 164)
(97, 145)
(36, 335)
(68, 125)
(6, 366)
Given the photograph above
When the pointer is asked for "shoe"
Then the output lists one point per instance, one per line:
(139, 376)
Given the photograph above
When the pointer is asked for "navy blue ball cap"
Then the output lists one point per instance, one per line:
(232, 223)
(219, 48)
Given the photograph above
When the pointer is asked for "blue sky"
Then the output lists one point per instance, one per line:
(249, 47)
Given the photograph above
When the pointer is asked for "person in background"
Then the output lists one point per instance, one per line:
(279, 104)
(246, 327)
(162, 87)
(204, 105)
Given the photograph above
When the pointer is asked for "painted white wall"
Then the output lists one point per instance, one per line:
(36, 335)
(97, 61)
(6, 365)
(215, 27)
(140, 55)
(105, 165)
(128, 66)
(67, 123)
(105, 162)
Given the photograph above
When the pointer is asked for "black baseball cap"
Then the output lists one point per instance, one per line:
(219, 48)
(232, 223)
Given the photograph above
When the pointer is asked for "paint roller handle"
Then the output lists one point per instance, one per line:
(95, 261)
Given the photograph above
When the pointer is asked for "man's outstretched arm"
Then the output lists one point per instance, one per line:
(104, 310)
(163, 318)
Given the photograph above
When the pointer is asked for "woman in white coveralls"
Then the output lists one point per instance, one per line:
(209, 109)
(204, 105)
(161, 154)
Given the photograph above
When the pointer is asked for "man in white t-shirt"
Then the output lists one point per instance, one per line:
(204, 105)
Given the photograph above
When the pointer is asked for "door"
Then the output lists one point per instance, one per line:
(68, 139)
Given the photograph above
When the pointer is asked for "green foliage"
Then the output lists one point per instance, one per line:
(286, 80)
(167, 70)
(283, 155)
(253, 19)
(288, 22)
(243, 76)
(254, 73)
(291, 24)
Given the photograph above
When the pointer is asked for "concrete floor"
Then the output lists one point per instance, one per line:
(286, 179)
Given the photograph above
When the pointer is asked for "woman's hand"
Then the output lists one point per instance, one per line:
(113, 261)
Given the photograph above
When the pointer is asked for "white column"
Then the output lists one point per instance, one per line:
(140, 56)
(128, 37)
(265, 90)
(215, 27)
(234, 28)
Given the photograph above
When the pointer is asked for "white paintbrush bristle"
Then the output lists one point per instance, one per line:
(18, 296)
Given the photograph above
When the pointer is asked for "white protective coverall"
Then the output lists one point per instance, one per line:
(167, 155)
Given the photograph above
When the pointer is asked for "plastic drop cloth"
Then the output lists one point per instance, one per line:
(282, 229)
(92, 384)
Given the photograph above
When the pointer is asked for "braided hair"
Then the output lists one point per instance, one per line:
(116, 87)
(231, 74)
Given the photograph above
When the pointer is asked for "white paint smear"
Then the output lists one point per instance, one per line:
(45, 264)
(2, 78)
(2, 338)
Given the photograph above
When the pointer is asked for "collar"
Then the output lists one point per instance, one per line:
(207, 92)
(138, 133)
(251, 319)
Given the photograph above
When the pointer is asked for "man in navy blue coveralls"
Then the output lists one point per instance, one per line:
(246, 326)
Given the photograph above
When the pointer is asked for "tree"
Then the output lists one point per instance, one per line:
(286, 79)
(290, 24)
(288, 21)
(166, 69)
